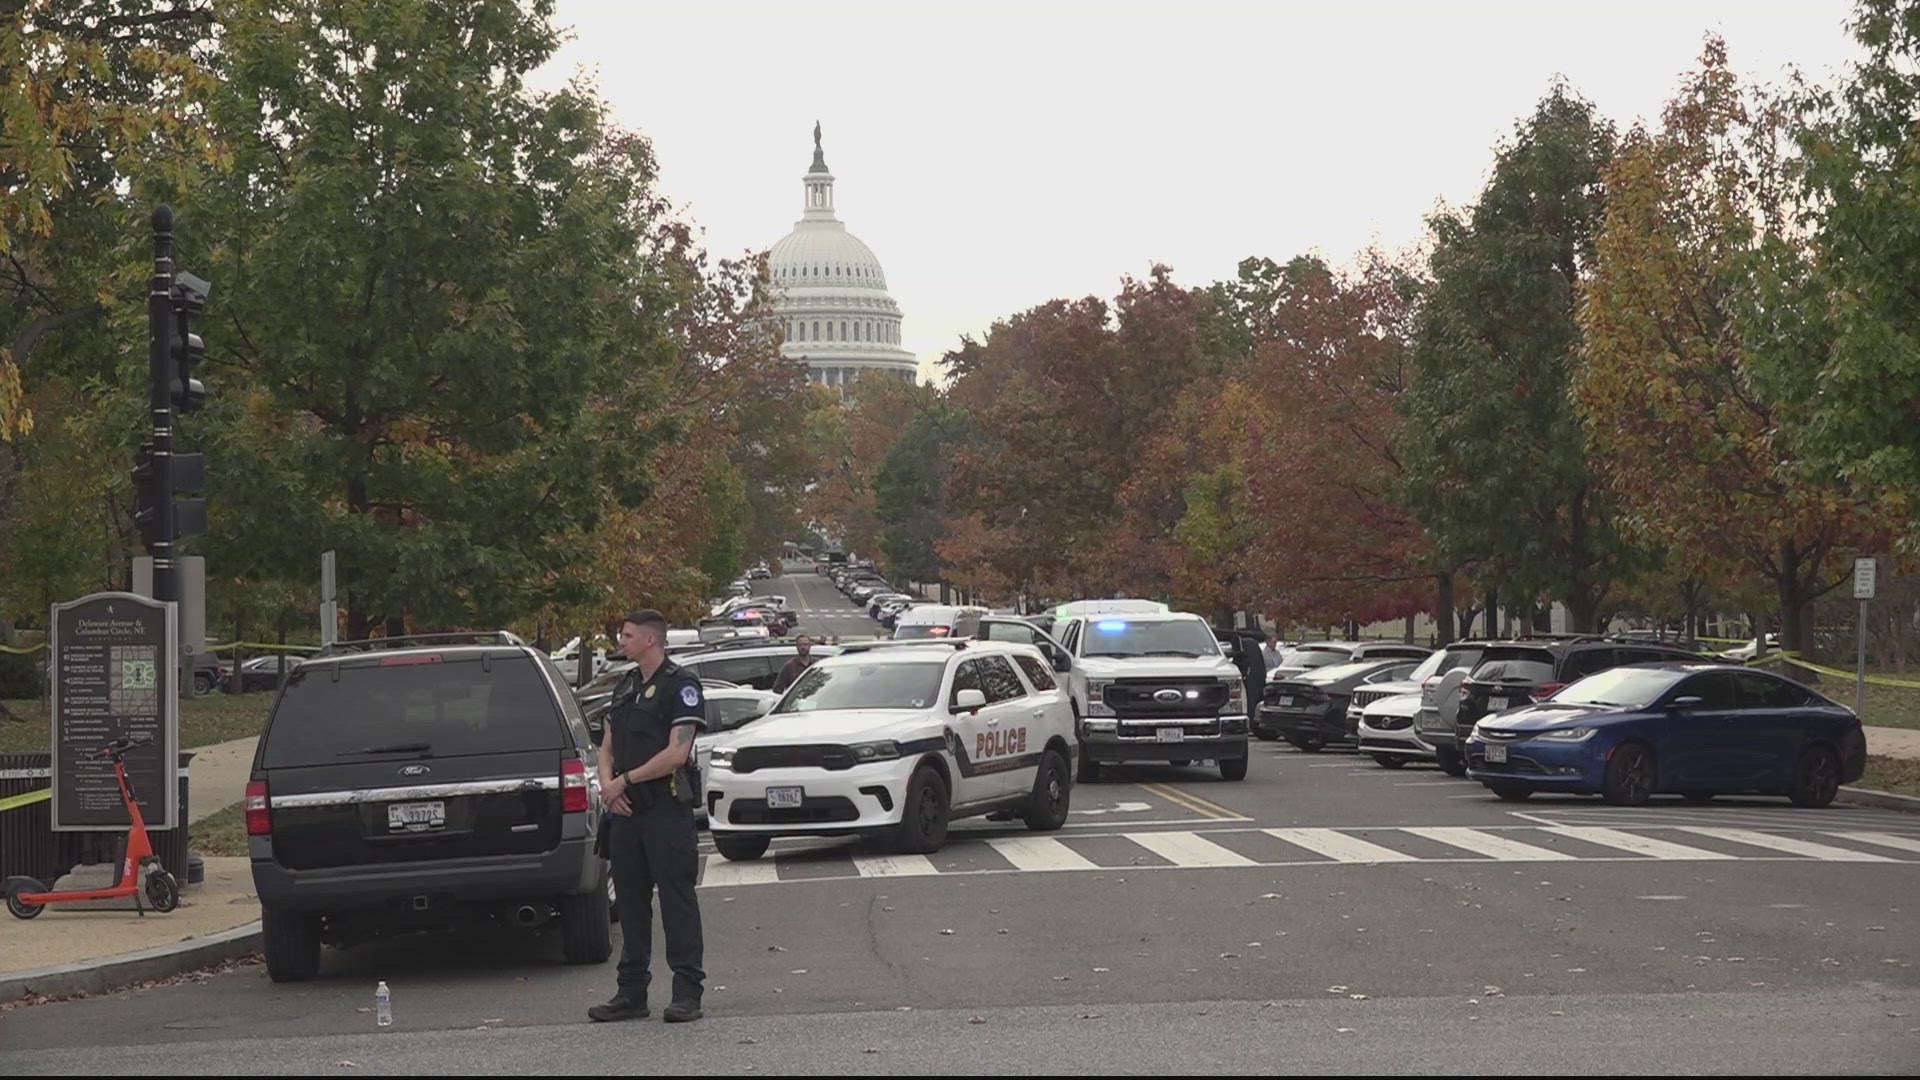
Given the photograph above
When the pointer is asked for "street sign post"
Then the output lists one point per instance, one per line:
(329, 608)
(114, 675)
(1864, 572)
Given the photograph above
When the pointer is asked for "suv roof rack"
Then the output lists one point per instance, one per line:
(420, 641)
(910, 643)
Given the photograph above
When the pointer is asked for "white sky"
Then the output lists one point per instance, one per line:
(997, 155)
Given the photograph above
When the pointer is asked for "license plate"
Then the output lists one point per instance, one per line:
(417, 816)
(1494, 703)
(1286, 701)
(1170, 734)
(786, 798)
(1496, 755)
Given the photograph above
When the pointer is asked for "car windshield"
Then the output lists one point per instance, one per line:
(1157, 637)
(869, 684)
(1627, 687)
(1313, 658)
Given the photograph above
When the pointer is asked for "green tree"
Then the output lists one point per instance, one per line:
(910, 486)
(1497, 462)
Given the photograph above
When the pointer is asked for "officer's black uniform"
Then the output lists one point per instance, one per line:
(655, 845)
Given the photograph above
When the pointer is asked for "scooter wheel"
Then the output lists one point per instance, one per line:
(19, 908)
(163, 893)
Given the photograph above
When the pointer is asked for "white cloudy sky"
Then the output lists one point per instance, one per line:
(996, 155)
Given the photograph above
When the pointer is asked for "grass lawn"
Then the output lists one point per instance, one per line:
(1886, 706)
(1900, 776)
(222, 833)
(203, 721)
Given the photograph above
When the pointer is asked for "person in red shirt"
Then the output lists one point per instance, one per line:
(795, 666)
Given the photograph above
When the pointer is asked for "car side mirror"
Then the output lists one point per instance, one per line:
(969, 700)
(1688, 702)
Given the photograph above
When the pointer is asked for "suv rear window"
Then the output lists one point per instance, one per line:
(455, 707)
(1510, 664)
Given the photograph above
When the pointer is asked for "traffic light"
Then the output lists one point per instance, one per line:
(190, 295)
(149, 494)
(154, 487)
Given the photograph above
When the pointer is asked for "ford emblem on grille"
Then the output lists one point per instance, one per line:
(414, 770)
(1168, 694)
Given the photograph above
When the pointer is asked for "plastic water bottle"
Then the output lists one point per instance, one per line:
(382, 1005)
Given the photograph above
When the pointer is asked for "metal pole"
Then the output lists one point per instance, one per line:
(166, 578)
(1860, 667)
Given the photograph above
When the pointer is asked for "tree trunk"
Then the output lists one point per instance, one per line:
(239, 633)
(1407, 635)
(359, 623)
(396, 626)
(1583, 611)
(1443, 610)
(1491, 613)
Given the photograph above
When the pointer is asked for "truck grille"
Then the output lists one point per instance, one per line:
(1140, 698)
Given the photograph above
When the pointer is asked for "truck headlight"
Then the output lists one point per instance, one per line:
(1102, 727)
(882, 750)
(1237, 697)
(720, 757)
(1097, 697)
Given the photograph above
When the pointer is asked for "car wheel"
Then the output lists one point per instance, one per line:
(1697, 796)
(1389, 761)
(291, 941)
(923, 816)
(1233, 768)
(1630, 775)
(1511, 792)
(586, 930)
(1052, 791)
(1450, 761)
(202, 683)
(1817, 778)
(741, 848)
(1087, 771)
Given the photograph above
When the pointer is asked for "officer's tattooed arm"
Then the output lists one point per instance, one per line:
(678, 750)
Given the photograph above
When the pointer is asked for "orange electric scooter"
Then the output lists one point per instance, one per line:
(26, 897)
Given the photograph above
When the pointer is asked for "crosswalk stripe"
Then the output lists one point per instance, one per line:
(1904, 843)
(1639, 845)
(1188, 849)
(1338, 846)
(1040, 853)
(1825, 852)
(719, 873)
(1485, 843)
(894, 865)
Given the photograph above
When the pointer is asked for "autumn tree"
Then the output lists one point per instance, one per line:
(1681, 435)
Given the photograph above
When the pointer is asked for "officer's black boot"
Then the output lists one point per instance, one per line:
(681, 1011)
(620, 1008)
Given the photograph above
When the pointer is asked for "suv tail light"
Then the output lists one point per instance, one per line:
(1547, 690)
(259, 809)
(573, 784)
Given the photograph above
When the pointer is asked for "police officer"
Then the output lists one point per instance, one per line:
(647, 781)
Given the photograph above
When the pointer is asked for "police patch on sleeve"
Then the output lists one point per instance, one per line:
(690, 696)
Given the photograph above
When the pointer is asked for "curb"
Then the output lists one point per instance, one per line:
(112, 972)
(1885, 800)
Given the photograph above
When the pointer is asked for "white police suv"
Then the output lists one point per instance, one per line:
(897, 739)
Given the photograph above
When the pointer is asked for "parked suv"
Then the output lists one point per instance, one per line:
(410, 783)
(1510, 674)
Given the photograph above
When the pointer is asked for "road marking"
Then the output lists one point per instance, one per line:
(1825, 852)
(1210, 809)
(1494, 847)
(1188, 849)
(1639, 845)
(1177, 798)
(719, 873)
(1430, 783)
(894, 865)
(1883, 839)
(1040, 853)
(1118, 808)
(1338, 846)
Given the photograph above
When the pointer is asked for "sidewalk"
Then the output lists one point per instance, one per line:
(217, 778)
(1893, 742)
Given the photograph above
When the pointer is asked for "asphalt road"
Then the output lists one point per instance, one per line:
(1390, 922)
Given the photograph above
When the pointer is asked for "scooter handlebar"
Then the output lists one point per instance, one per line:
(120, 746)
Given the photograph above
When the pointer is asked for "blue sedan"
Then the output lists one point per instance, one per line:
(1696, 730)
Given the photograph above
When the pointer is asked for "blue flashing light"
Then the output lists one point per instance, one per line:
(1110, 626)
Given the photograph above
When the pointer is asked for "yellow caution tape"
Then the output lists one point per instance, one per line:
(1794, 659)
(29, 650)
(15, 802)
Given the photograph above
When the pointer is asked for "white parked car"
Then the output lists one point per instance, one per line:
(729, 709)
(897, 739)
(1387, 733)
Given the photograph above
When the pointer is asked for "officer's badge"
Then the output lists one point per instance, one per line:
(651, 689)
(690, 696)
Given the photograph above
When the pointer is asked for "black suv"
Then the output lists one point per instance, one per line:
(416, 783)
(1515, 673)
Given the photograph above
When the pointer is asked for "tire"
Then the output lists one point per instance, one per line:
(19, 908)
(1450, 761)
(292, 944)
(1631, 775)
(1816, 780)
(1052, 793)
(1390, 761)
(1511, 792)
(1233, 768)
(923, 814)
(741, 848)
(586, 928)
(1698, 797)
(202, 684)
(1087, 771)
(163, 893)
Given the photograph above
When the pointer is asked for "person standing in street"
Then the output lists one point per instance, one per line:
(646, 780)
(801, 661)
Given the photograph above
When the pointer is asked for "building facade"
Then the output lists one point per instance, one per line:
(831, 295)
